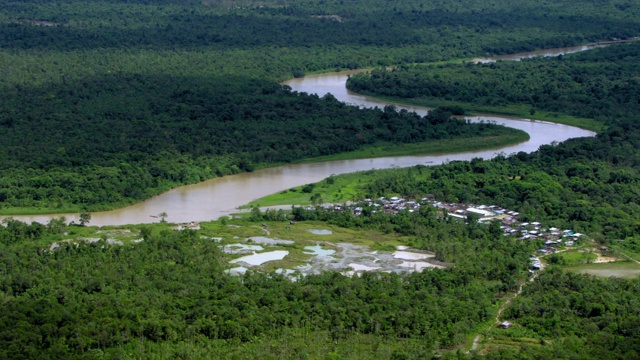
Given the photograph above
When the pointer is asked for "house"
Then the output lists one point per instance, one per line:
(479, 212)
(504, 325)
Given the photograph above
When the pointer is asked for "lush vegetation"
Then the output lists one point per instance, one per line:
(169, 293)
(116, 139)
(428, 30)
(584, 317)
(599, 84)
(585, 184)
(109, 102)
(582, 182)
(589, 185)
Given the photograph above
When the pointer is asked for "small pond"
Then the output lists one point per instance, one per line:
(267, 241)
(360, 267)
(408, 255)
(318, 251)
(237, 270)
(320, 231)
(285, 272)
(261, 258)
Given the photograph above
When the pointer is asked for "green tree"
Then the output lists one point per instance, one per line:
(85, 218)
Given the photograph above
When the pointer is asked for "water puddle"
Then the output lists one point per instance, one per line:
(259, 259)
(360, 267)
(237, 270)
(212, 238)
(408, 255)
(268, 241)
(320, 231)
(286, 272)
(318, 251)
(348, 259)
(419, 265)
(110, 241)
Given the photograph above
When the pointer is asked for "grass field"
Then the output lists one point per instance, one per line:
(623, 269)
(334, 189)
(577, 257)
(238, 230)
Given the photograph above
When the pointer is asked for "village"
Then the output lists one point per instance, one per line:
(553, 237)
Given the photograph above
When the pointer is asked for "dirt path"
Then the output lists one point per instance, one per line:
(478, 338)
(629, 257)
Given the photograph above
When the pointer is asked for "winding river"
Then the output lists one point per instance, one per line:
(221, 196)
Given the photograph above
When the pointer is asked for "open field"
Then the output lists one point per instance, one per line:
(335, 189)
(624, 269)
(577, 257)
(239, 238)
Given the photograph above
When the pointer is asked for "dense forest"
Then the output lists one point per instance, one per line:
(598, 84)
(107, 102)
(118, 138)
(460, 28)
(590, 184)
(168, 296)
(90, 299)
(104, 103)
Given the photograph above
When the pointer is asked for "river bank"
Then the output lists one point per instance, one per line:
(222, 196)
(512, 110)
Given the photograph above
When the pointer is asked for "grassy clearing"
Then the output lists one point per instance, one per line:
(334, 189)
(577, 257)
(238, 231)
(623, 269)
(512, 338)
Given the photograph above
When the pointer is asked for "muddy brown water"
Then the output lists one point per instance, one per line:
(217, 197)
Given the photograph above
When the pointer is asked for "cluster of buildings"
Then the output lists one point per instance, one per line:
(511, 225)
(391, 205)
(509, 221)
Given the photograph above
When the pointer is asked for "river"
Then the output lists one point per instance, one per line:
(221, 196)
